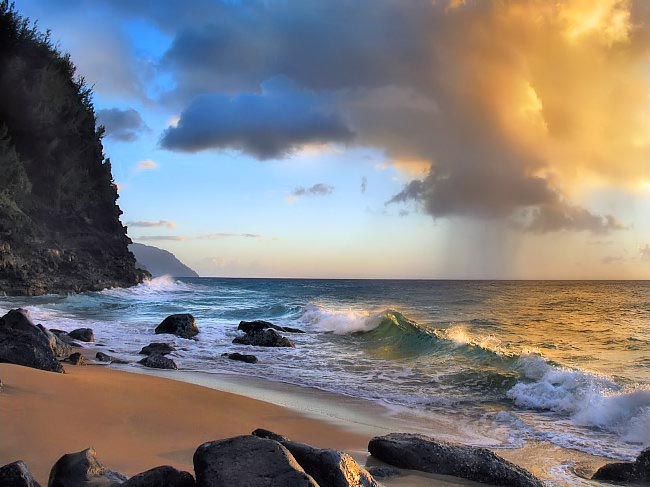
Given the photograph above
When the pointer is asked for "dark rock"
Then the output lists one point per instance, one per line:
(182, 325)
(384, 471)
(82, 469)
(157, 348)
(17, 474)
(165, 476)
(102, 357)
(77, 359)
(264, 338)
(241, 357)
(269, 435)
(418, 452)
(158, 362)
(330, 467)
(82, 334)
(23, 343)
(626, 472)
(60, 348)
(249, 461)
(259, 325)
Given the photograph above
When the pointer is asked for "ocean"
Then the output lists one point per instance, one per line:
(563, 362)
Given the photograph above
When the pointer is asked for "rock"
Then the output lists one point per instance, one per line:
(82, 469)
(103, 357)
(384, 471)
(77, 359)
(23, 343)
(330, 467)
(264, 338)
(17, 474)
(249, 461)
(158, 348)
(65, 338)
(82, 334)
(182, 325)
(249, 359)
(158, 362)
(259, 325)
(165, 476)
(60, 348)
(419, 452)
(626, 472)
(269, 435)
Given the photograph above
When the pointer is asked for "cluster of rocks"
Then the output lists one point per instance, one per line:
(261, 333)
(264, 459)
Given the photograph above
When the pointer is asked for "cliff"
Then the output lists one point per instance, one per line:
(159, 262)
(59, 222)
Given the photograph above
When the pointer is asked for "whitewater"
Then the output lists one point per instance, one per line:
(564, 362)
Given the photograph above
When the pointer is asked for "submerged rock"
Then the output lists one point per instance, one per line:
(164, 476)
(249, 461)
(419, 452)
(241, 357)
(158, 362)
(264, 338)
(182, 325)
(84, 470)
(258, 325)
(103, 357)
(17, 474)
(77, 359)
(157, 348)
(82, 334)
(23, 343)
(627, 472)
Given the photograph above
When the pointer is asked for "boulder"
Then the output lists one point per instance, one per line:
(103, 357)
(384, 471)
(258, 325)
(65, 338)
(241, 357)
(77, 359)
(82, 469)
(419, 452)
(269, 435)
(157, 348)
(264, 338)
(164, 476)
(17, 474)
(249, 461)
(158, 362)
(182, 325)
(60, 348)
(82, 334)
(23, 343)
(626, 472)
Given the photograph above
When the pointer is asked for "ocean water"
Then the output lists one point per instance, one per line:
(565, 362)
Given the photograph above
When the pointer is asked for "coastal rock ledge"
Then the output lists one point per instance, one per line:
(419, 452)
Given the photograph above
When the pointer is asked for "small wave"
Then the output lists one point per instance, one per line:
(155, 286)
(340, 321)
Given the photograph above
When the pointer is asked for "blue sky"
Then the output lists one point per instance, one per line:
(409, 139)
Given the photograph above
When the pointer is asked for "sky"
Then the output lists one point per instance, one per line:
(375, 138)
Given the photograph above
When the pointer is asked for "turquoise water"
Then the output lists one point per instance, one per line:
(566, 362)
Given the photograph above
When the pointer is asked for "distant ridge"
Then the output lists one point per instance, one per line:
(159, 262)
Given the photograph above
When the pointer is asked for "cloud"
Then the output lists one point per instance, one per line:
(612, 259)
(146, 165)
(318, 189)
(178, 238)
(216, 236)
(267, 125)
(160, 238)
(123, 125)
(645, 252)
(364, 184)
(152, 224)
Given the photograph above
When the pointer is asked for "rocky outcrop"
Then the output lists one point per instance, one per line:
(259, 325)
(418, 452)
(23, 343)
(158, 362)
(264, 338)
(17, 474)
(82, 469)
(164, 476)
(60, 227)
(636, 472)
(182, 325)
(241, 357)
(249, 461)
(157, 348)
(82, 334)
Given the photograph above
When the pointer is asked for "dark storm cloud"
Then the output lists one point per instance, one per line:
(319, 189)
(266, 125)
(125, 125)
